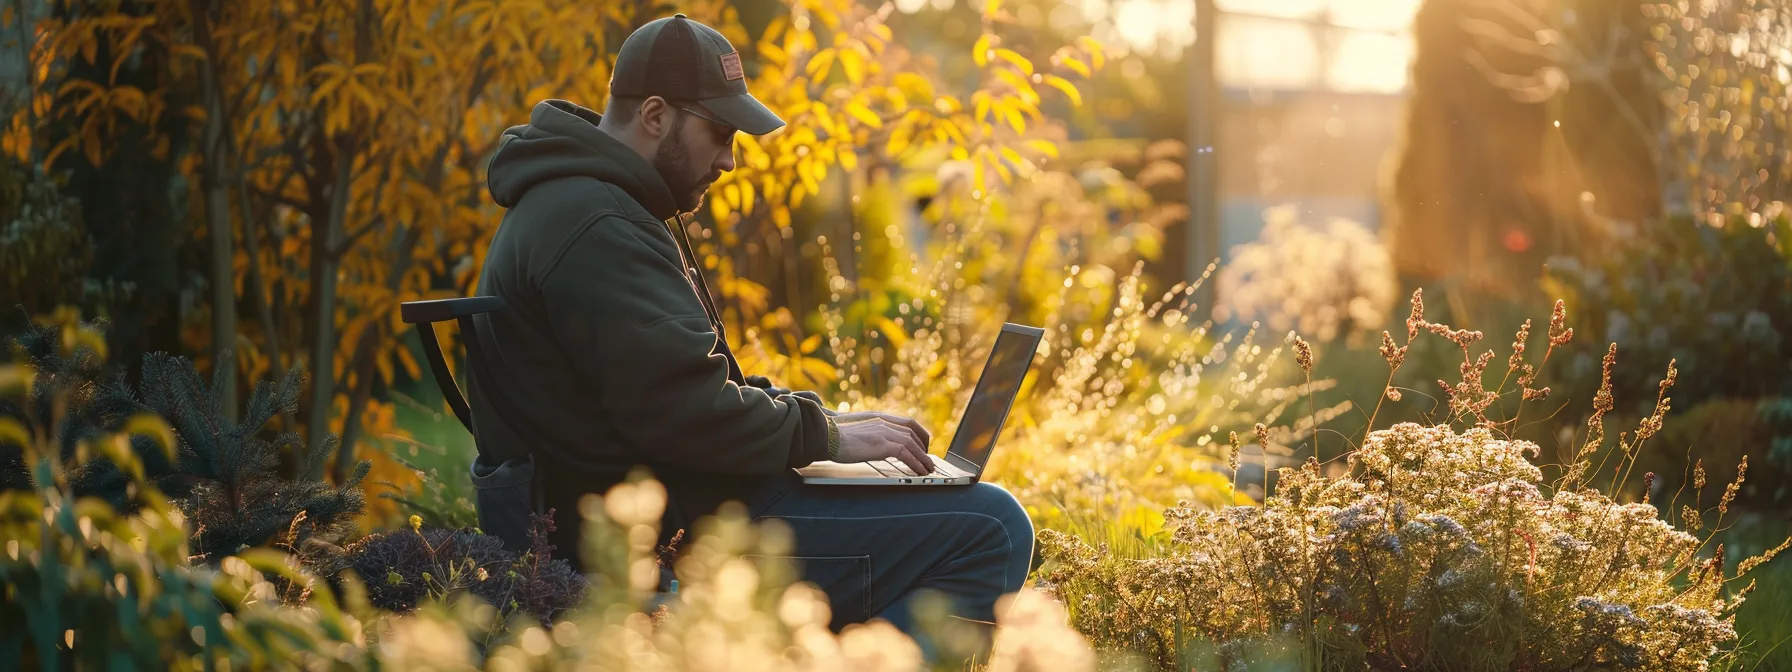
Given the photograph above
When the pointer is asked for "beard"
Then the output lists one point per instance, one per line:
(687, 182)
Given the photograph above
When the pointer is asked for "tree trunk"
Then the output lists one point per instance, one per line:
(325, 261)
(218, 222)
(257, 285)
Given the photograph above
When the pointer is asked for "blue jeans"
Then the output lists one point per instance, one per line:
(874, 549)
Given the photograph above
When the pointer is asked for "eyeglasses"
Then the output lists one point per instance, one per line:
(701, 115)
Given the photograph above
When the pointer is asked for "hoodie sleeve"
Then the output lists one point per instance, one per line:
(630, 321)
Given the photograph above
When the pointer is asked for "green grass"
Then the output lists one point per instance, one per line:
(1764, 623)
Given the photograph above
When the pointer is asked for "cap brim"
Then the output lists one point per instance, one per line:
(743, 112)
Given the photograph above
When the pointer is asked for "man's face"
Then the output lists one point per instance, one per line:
(693, 155)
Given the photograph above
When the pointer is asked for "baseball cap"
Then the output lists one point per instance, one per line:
(687, 62)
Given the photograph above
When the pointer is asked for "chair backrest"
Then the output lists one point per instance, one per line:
(424, 314)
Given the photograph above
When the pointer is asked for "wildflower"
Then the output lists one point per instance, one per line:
(1303, 354)
(416, 523)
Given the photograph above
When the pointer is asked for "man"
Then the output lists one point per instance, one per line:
(611, 354)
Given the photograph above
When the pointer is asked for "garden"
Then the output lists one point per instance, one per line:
(1445, 335)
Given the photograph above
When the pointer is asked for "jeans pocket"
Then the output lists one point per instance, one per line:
(846, 580)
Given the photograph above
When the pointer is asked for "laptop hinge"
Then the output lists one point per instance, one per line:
(964, 464)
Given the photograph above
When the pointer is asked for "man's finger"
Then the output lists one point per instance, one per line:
(895, 422)
(921, 432)
(905, 451)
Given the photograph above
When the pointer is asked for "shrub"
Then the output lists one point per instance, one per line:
(1714, 301)
(1436, 547)
(224, 475)
(404, 568)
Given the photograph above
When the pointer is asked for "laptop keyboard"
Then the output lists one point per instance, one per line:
(894, 467)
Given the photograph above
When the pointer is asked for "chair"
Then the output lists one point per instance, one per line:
(506, 495)
(424, 314)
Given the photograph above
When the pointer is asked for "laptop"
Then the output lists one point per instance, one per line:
(1009, 361)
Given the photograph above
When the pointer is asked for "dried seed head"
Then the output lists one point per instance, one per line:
(1417, 320)
(1395, 356)
(1648, 486)
(1698, 474)
(1303, 354)
(1263, 440)
(1232, 454)
(1559, 333)
(1517, 359)
(1393, 394)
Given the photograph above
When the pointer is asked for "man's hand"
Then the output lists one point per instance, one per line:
(877, 438)
(909, 423)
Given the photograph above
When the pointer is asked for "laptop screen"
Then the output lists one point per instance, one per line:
(1008, 363)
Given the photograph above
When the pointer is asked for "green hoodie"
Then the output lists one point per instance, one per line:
(606, 358)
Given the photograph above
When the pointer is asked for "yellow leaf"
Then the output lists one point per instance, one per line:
(854, 65)
(1076, 64)
(1012, 156)
(810, 344)
(1022, 87)
(746, 197)
(819, 65)
(982, 106)
(154, 427)
(14, 433)
(1094, 48)
(1044, 147)
(1064, 85)
(16, 381)
(888, 327)
(899, 139)
(90, 143)
(980, 50)
(915, 86)
(781, 216)
(1014, 57)
(731, 194)
(864, 114)
(6, 17)
(720, 208)
(849, 160)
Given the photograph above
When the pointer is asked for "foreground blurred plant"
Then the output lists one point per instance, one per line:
(1438, 547)
(224, 475)
(89, 586)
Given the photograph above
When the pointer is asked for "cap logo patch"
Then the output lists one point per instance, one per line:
(731, 66)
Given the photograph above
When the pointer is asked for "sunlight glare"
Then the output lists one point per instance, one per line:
(1370, 63)
(1373, 14)
(1266, 52)
(1288, 9)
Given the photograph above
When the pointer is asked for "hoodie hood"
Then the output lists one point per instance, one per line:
(562, 140)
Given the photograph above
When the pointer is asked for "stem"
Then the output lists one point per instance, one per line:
(1383, 396)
